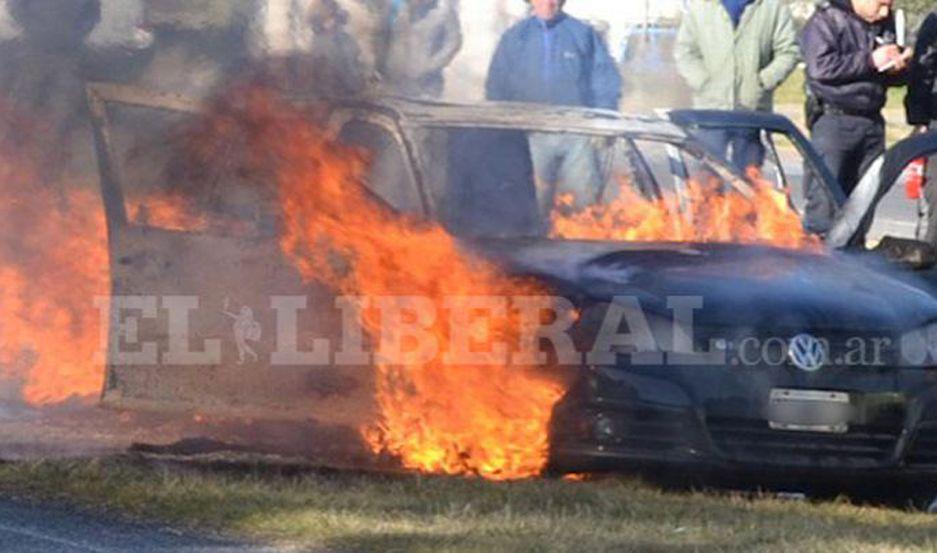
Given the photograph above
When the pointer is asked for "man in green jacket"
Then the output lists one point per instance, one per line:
(734, 54)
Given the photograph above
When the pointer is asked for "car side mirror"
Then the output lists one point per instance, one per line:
(910, 254)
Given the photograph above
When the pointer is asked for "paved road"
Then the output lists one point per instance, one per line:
(27, 528)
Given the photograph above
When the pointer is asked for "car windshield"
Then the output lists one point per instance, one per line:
(783, 158)
(512, 183)
(776, 158)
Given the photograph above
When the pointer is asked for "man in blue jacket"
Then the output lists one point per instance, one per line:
(552, 58)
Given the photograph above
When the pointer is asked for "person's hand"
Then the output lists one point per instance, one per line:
(884, 57)
(892, 59)
(902, 62)
(919, 129)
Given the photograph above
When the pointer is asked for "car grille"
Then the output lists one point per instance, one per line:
(923, 450)
(746, 440)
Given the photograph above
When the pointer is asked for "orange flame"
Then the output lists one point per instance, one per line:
(709, 214)
(434, 417)
(171, 212)
(53, 263)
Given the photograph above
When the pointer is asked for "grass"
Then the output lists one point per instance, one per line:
(355, 512)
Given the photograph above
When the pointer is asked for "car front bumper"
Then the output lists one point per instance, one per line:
(719, 421)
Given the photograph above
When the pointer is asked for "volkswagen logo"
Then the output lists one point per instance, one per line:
(807, 352)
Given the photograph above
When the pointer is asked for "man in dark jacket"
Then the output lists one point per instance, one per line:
(852, 59)
(552, 58)
(921, 107)
(921, 102)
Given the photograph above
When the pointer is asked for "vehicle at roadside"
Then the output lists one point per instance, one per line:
(800, 355)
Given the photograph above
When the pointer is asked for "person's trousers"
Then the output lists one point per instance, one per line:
(930, 195)
(742, 147)
(564, 165)
(848, 144)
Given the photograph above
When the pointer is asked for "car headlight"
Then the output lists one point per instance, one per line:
(919, 347)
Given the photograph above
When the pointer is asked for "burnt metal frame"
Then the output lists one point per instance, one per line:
(392, 125)
(99, 96)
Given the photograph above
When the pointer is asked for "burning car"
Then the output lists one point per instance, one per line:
(706, 326)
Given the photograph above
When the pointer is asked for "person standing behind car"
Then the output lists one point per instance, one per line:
(197, 43)
(424, 37)
(44, 73)
(852, 58)
(734, 54)
(553, 58)
(332, 67)
(921, 107)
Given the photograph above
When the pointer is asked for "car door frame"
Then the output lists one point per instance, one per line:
(102, 97)
(884, 173)
(390, 122)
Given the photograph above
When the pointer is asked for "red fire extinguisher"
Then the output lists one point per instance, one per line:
(915, 179)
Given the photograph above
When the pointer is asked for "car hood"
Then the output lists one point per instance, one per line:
(740, 285)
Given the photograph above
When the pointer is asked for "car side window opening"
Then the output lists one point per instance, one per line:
(771, 159)
(389, 175)
(789, 170)
(166, 188)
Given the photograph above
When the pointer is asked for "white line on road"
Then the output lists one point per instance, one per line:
(58, 541)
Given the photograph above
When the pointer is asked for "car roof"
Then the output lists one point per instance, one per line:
(513, 115)
(418, 112)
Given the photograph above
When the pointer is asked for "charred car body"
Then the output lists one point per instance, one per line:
(836, 381)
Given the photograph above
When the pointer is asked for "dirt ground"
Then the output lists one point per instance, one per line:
(85, 431)
(27, 433)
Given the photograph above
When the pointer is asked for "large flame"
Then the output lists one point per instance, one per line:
(708, 213)
(53, 263)
(54, 266)
(434, 417)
